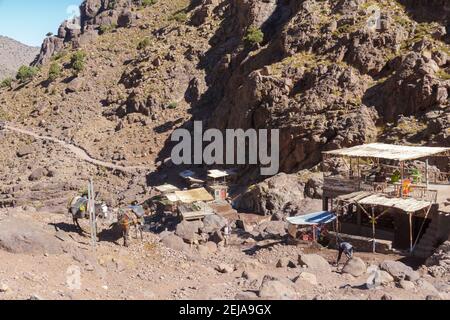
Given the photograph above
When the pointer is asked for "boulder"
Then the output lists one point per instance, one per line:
(274, 289)
(399, 270)
(212, 247)
(213, 223)
(246, 295)
(273, 195)
(314, 262)
(22, 236)
(188, 231)
(24, 151)
(386, 277)
(37, 174)
(174, 242)
(356, 267)
(306, 277)
(407, 285)
(75, 85)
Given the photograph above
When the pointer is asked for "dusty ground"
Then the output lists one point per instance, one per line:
(149, 270)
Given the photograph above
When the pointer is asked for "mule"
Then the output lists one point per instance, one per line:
(78, 209)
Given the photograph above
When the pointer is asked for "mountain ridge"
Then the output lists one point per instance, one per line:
(14, 54)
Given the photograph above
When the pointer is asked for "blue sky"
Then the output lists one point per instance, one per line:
(28, 21)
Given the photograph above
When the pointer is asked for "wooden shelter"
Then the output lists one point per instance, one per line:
(370, 187)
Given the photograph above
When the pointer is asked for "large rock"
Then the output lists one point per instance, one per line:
(274, 195)
(399, 270)
(356, 267)
(50, 46)
(188, 231)
(213, 223)
(22, 236)
(306, 277)
(273, 229)
(174, 242)
(314, 262)
(37, 174)
(275, 289)
(24, 151)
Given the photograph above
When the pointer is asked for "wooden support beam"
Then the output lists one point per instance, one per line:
(410, 233)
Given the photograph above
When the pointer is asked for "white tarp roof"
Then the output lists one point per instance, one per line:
(167, 188)
(390, 152)
(216, 174)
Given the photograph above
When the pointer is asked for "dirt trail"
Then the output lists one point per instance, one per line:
(77, 151)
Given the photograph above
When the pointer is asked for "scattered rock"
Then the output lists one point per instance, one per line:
(24, 151)
(4, 288)
(225, 268)
(37, 174)
(174, 242)
(273, 289)
(407, 285)
(356, 267)
(307, 277)
(314, 262)
(286, 263)
(246, 295)
(188, 231)
(213, 223)
(21, 236)
(399, 270)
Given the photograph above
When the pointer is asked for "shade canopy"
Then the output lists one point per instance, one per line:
(312, 219)
(192, 196)
(389, 152)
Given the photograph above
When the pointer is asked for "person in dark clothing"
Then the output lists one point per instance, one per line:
(344, 248)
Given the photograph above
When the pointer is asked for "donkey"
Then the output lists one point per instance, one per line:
(78, 209)
(133, 216)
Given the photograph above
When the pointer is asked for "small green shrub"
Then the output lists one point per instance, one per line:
(254, 36)
(26, 73)
(54, 72)
(172, 105)
(180, 16)
(6, 83)
(147, 3)
(106, 28)
(144, 43)
(78, 61)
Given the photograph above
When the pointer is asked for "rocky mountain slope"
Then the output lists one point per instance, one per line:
(329, 74)
(13, 54)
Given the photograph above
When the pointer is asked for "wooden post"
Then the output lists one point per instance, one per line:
(92, 216)
(373, 230)
(402, 171)
(410, 233)
(426, 174)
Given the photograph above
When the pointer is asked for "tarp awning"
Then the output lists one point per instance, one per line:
(389, 152)
(323, 217)
(193, 195)
(409, 205)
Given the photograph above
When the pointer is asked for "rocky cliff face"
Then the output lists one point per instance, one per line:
(329, 74)
(13, 54)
